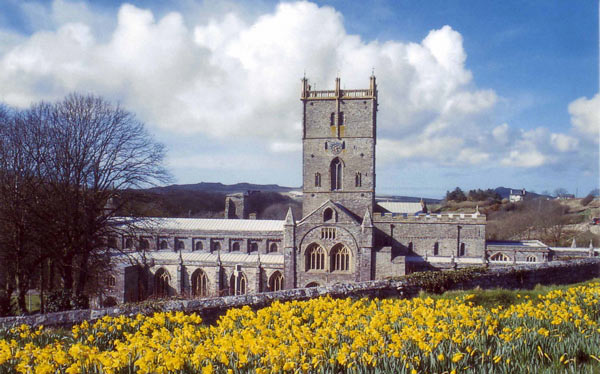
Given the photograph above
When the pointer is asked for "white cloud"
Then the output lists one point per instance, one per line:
(524, 158)
(228, 75)
(563, 143)
(585, 115)
(501, 133)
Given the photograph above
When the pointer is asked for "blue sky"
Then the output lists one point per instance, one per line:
(476, 94)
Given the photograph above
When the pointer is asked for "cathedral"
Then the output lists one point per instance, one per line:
(344, 235)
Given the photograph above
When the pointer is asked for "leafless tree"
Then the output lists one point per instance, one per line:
(80, 153)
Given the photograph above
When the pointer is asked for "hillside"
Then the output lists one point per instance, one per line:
(222, 188)
(182, 202)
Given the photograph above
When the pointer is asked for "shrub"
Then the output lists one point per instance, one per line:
(441, 281)
(586, 200)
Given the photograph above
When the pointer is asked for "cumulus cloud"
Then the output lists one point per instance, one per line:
(585, 115)
(230, 76)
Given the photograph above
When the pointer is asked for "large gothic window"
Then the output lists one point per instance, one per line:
(315, 258)
(237, 284)
(199, 284)
(340, 258)
(276, 282)
(336, 171)
(161, 283)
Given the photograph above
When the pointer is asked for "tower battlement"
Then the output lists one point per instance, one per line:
(430, 218)
(309, 94)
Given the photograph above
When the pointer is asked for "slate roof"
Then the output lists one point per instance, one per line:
(202, 224)
(203, 256)
(400, 207)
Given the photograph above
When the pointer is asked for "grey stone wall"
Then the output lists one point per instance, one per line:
(418, 235)
(340, 127)
(517, 277)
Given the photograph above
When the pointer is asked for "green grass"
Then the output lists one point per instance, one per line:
(492, 298)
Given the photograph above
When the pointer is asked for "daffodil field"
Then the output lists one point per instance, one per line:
(555, 332)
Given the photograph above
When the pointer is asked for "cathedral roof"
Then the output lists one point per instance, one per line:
(202, 224)
(203, 256)
(400, 207)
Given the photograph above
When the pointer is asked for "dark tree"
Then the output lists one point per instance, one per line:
(81, 152)
(456, 195)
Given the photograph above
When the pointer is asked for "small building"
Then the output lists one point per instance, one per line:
(516, 196)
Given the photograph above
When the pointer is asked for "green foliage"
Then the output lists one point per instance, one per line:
(441, 281)
(456, 195)
(58, 301)
(493, 298)
(484, 195)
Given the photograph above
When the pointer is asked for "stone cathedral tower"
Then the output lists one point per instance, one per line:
(338, 146)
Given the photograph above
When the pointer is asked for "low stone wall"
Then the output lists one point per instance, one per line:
(514, 277)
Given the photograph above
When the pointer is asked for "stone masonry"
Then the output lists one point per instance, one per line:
(343, 235)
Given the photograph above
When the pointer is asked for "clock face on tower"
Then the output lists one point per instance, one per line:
(336, 147)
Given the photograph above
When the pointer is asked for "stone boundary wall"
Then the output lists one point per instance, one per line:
(513, 277)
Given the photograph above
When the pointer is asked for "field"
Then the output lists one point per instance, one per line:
(538, 331)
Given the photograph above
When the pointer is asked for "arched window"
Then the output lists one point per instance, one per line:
(436, 249)
(358, 179)
(531, 259)
(253, 247)
(128, 243)
(315, 258)
(144, 244)
(340, 258)
(273, 248)
(327, 215)
(199, 246)
(235, 247)
(336, 171)
(237, 284)
(216, 246)
(317, 179)
(276, 282)
(164, 244)
(180, 245)
(199, 284)
(500, 257)
(461, 250)
(312, 284)
(161, 283)
(111, 281)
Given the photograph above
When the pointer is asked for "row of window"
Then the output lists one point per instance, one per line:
(144, 244)
(316, 259)
(501, 257)
(237, 284)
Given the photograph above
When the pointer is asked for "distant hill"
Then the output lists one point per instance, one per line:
(504, 192)
(222, 188)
